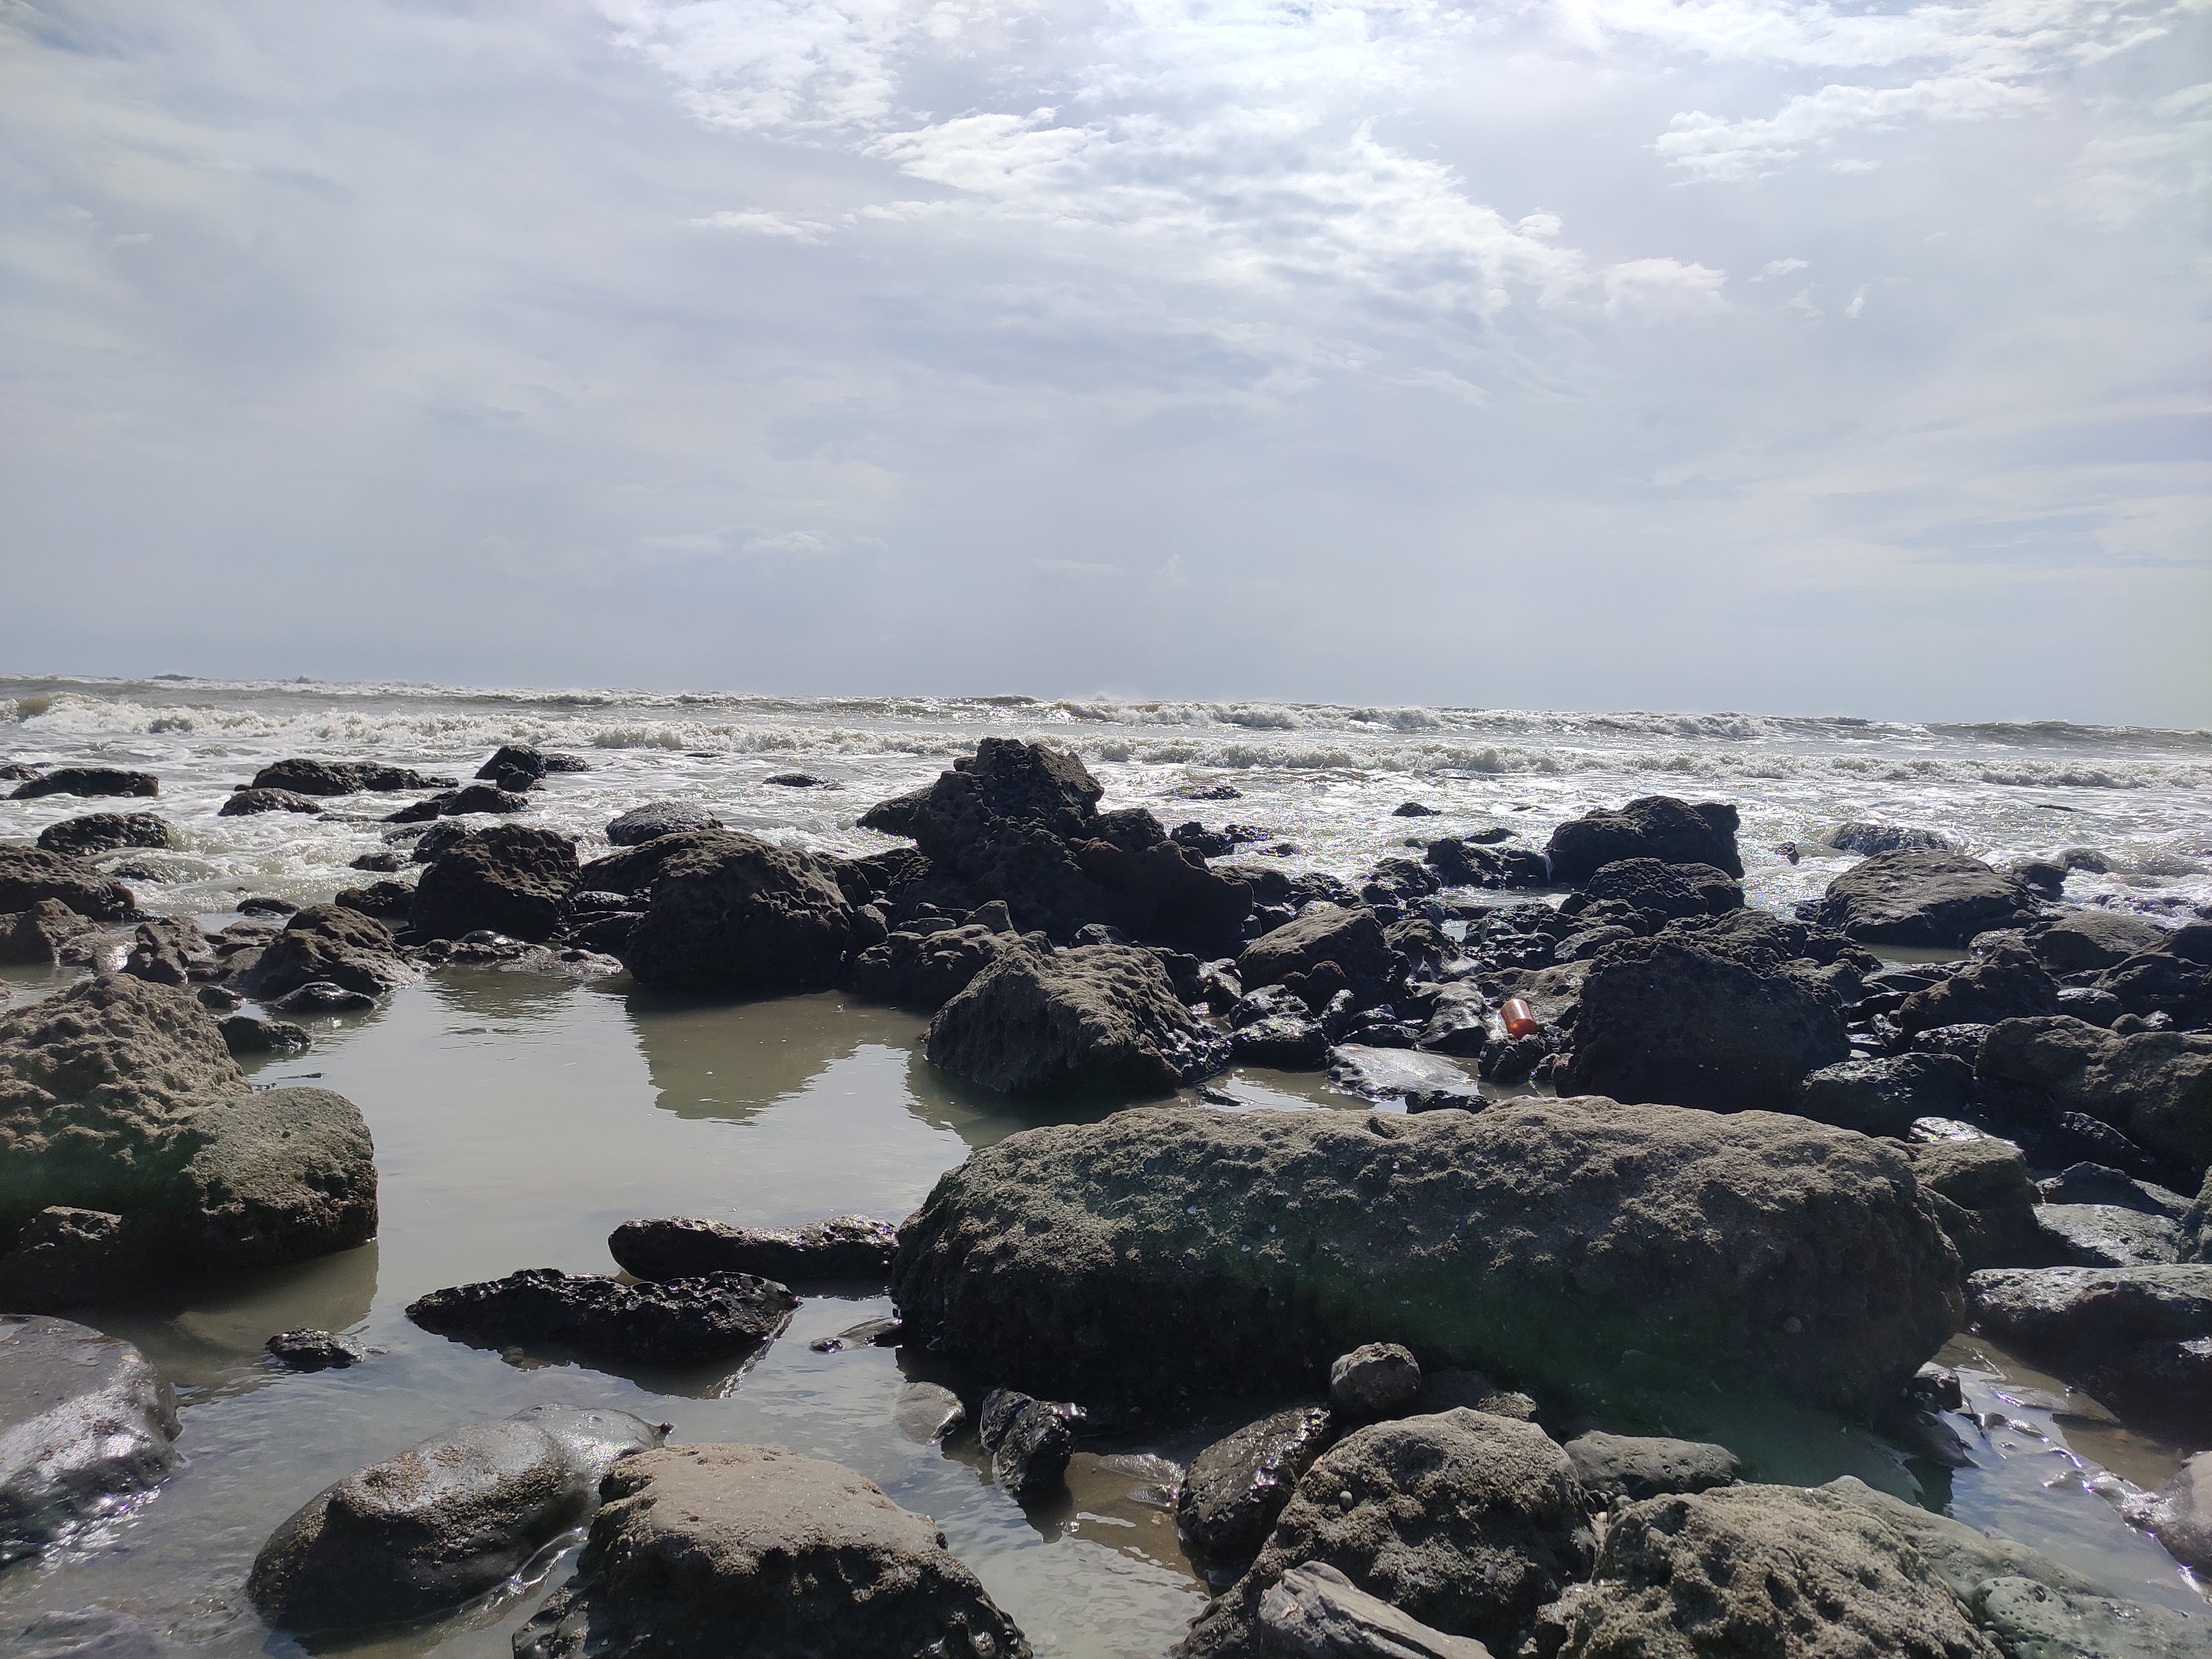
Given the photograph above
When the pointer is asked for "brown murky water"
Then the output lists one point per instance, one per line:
(517, 1120)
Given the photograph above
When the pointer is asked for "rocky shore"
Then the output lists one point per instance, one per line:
(1609, 1137)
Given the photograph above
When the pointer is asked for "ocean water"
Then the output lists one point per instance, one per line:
(1322, 778)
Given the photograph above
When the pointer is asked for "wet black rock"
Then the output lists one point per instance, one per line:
(1663, 1019)
(28, 876)
(103, 832)
(1617, 1468)
(1886, 1095)
(510, 878)
(2137, 1339)
(244, 1035)
(328, 944)
(677, 1322)
(443, 1520)
(313, 777)
(1093, 1020)
(1466, 1523)
(321, 997)
(1427, 1082)
(1661, 891)
(1412, 809)
(1030, 1441)
(1458, 864)
(1054, 1258)
(2088, 938)
(1458, 1023)
(265, 905)
(1234, 1490)
(927, 1413)
(1283, 1042)
(40, 934)
(1929, 899)
(732, 912)
(798, 780)
(308, 1349)
(387, 901)
(2108, 1235)
(89, 1423)
(841, 1247)
(2007, 984)
(517, 760)
(245, 803)
(2155, 1087)
(1350, 937)
(495, 799)
(2095, 1184)
(1867, 839)
(2025, 1616)
(1654, 827)
(1374, 1380)
(805, 1558)
(90, 781)
(924, 971)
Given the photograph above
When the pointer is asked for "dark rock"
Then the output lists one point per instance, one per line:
(88, 780)
(167, 949)
(102, 832)
(1459, 1023)
(266, 906)
(510, 878)
(1536, 1239)
(244, 1035)
(2093, 938)
(927, 1412)
(841, 1247)
(1617, 1468)
(2108, 1235)
(66, 1257)
(1235, 1488)
(924, 971)
(1988, 1204)
(307, 1350)
(442, 1521)
(2095, 1184)
(1937, 899)
(245, 803)
(2091, 1006)
(1427, 1082)
(2137, 1339)
(312, 777)
(1663, 1020)
(1661, 891)
(28, 876)
(329, 945)
(1884, 1097)
(1351, 938)
(515, 757)
(436, 840)
(1449, 1388)
(868, 1333)
(1315, 1610)
(733, 912)
(1030, 1441)
(2154, 1087)
(1868, 839)
(1465, 1523)
(1959, 1041)
(1097, 1018)
(805, 1558)
(14, 771)
(319, 997)
(384, 861)
(1374, 1380)
(89, 1423)
(387, 901)
(39, 934)
(2160, 989)
(2043, 877)
(1655, 827)
(481, 798)
(2008, 984)
(1412, 809)
(675, 1322)
(798, 781)
(1457, 864)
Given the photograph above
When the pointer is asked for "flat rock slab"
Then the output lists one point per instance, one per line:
(2108, 1235)
(804, 1557)
(841, 1247)
(1939, 900)
(442, 1522)
(678, 1321)
(1427, 1082)
(1616, 1466)
(85, 1423)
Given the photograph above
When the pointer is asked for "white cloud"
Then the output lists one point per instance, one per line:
(1709, 147)
(1774, 268)
(760, 223)
(1662, 291)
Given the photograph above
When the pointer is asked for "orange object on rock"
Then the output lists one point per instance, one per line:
(1520, 1018)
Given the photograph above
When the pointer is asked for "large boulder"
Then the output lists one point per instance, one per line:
(85, 1423)
(314, 777)
(1350, 936)
(249, 803)
(1467, 1522)
(804, 1557)
(657, 818)
(924, 971)
(41, 934)
(510, 878)
(1653, 827)
(103, 832)
(1664, 1020)
(2138, 1338)
(88, 781)
(329, 943)
(28, 876)
(1615, 1469)
(1887, 1095)
(732, 912)
(1537, 1240)
(1981, 1189)
(2007, 984)
(442, 1522)
(2155, 1087)
(2087, 939)
(1933, 899)
(1094, 1020)
(1662, 892)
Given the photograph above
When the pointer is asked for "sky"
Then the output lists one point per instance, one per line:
(1763, 355)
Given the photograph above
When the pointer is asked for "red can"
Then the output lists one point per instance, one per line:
(1520, 1018)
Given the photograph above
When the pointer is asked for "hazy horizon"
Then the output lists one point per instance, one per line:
(1780, 357)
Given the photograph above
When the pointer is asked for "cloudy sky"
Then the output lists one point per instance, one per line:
(1767, 355)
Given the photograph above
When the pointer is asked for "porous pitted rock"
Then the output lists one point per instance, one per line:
(281, 1175)
(1652, 827)
(1938, 899)
(1662, 892)
(1465, 1521)
(2087, 939)
(2138, 1338)
(805, 1558)
(732, 912)
(1234, 1489)
(28, 876)
(1767, 1570)
(1886, 1096)
(1867, 839)
(1374, 1380)
(1537, 1239)
(2155, 1087)
(102, 832)
(88, 781)
(2033, 1620)
(85, 1422)
(657, 818)
(1615, 1469)
(1349, 936)
(841, 1247)
(246, 803)
(1663, 1019)
(314, 777)
(329, 943)
(166, 950)
(1988, 1203)
(1092, 1020)
(442, 1522)
(510, 878)
(675, 1322)
(40, 934)
(2007, 984)
(924, 971)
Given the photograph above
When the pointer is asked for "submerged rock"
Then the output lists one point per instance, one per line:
(1654, 827)
(841, 1247)
(1234, 1490)
(1539, 1239)
(1615, 1469)
(1924, 898)
(102, 832)
(1427, 1082)
(88, 780)
(2180, 1517)
(307, 1350)
(730, 911)
(442, 1522)
(28, 876)
(804, 1557)
(89, 1423)
(1098, 1018)
(677, 1322)
(2031, 1619)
